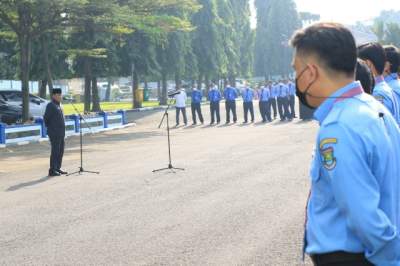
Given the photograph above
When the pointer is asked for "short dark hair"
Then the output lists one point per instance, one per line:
(364, 75)
(333, 43)
(375, 53)
(393, 56)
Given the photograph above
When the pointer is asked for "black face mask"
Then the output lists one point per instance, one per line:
(303, 95)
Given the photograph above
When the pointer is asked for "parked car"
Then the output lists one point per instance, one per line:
(10, 114)
(37, 105)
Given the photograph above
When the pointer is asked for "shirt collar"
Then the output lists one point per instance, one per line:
(379, 79)
(348, 91)
(391, 77)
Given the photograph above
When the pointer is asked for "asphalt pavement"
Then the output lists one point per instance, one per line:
(240, 201)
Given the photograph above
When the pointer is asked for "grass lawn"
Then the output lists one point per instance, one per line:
(106, 106)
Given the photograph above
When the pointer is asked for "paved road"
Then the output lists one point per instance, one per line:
(240, 201)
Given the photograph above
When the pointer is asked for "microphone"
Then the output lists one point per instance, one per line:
(173, 93)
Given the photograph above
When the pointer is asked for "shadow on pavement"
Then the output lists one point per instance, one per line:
(29, 184)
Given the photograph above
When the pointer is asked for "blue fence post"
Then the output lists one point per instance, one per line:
(124, 119)
(2, 133)
(76, 120)
(42, 125)
(105, 117)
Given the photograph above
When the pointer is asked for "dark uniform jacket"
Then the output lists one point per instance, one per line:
(54, 120)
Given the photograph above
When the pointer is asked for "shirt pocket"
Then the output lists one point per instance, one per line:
(319, 189)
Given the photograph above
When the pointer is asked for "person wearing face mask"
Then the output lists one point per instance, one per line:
(353, 210)
(374, 55)
(392, 67)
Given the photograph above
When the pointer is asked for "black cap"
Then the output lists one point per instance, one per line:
(56, 91)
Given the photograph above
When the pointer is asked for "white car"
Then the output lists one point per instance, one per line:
(37, 105)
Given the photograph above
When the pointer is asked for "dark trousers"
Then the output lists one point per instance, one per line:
(340, 259)
(215, 114)
(196, 108)
(57, 152)
(283, 108)
(274, 107)
(265, 110)
(248, 107)
(292, 106)
(230, 107)
(183, 110)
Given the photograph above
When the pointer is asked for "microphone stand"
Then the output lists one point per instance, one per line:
(81, 119)
(170, 166)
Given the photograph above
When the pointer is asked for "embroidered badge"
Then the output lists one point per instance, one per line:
(328, 155)
(379, 98)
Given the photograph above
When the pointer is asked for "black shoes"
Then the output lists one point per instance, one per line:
(54, 173)
(62, 172)
(57, 173)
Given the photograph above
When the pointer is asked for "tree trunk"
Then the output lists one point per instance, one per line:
(95, 95)
(164, 89)
(200, 82)
(137, 103)
(159, 90)
(108, 91)
(46, 60)
(207, 82)
(25, 43)
(88, 81)
(43, 89)
(178, 82)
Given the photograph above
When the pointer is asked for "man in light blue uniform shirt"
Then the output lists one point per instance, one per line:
(214, 96)
(274, 96)
(374, 55)
(391, 75)
(353, 212)
(264, 96)
(197, 97)
(248, 97)
(283, 101)
(230, 95)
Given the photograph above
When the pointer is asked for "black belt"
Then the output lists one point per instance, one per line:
(337, 257)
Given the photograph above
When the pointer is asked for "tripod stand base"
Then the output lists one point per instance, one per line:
(81, 170)
(170, 167)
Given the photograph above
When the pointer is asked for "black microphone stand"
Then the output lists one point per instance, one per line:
(170, 166)
(81, 119)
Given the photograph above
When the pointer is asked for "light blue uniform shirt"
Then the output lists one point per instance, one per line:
(283, 90)
(230, 94)
(292, 89)
(275, 91)
(248, 95)
(197, 96)
(214, 95)
(354, 204)
(264, 94)
(394, 82)
(384, 94)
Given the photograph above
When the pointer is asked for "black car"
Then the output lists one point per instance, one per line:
(10, 114)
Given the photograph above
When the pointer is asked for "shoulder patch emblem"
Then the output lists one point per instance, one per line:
(328, 155)
(379, 98)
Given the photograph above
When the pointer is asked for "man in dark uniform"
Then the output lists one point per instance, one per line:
(55, 124)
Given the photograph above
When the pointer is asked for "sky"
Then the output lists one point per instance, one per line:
(345, 11)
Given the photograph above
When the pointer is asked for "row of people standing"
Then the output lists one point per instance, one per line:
(273, 97)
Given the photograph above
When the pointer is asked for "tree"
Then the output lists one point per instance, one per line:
(22, 18)
(206, 44)
(274, 47)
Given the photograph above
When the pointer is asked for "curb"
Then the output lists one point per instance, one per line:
(42, 140)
